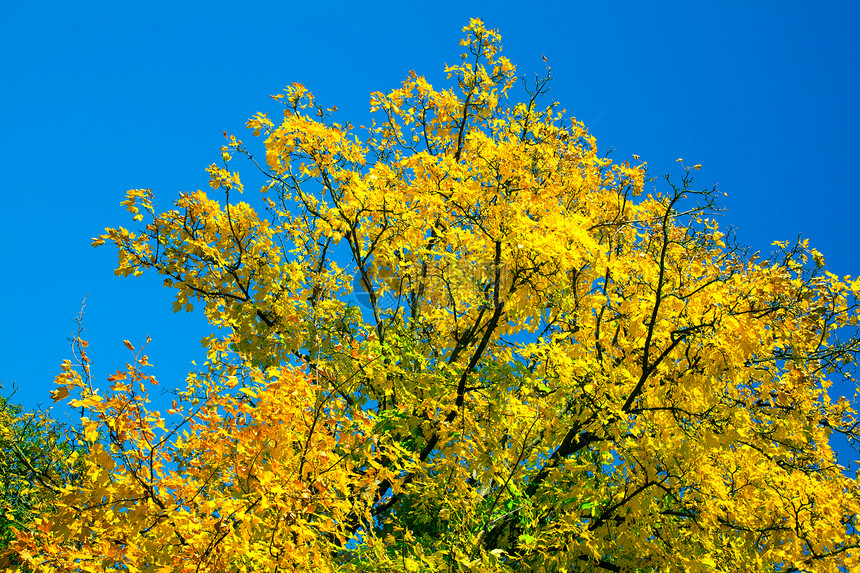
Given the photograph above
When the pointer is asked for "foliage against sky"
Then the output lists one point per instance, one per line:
(137, 95)
(576, 373)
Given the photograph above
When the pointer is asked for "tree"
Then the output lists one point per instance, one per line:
(34, 454)
(17, 443)
(570, 374)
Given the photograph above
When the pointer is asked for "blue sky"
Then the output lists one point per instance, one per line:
(101, 97)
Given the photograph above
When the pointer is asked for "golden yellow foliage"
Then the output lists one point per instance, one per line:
(574, 374)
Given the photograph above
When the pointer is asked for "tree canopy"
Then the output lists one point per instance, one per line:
(560, 363)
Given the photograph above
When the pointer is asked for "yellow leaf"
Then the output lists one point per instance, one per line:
(59, 393)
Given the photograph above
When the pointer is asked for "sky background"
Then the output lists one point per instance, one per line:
(101, 97)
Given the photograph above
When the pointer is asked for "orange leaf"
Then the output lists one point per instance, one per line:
(44, 525)
(128, 344)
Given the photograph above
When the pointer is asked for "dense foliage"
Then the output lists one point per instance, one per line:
(555, 368)
(34, 455)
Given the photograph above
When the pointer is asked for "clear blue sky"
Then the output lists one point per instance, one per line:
(100, 97)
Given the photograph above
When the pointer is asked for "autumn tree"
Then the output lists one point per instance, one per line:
(563, 364)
